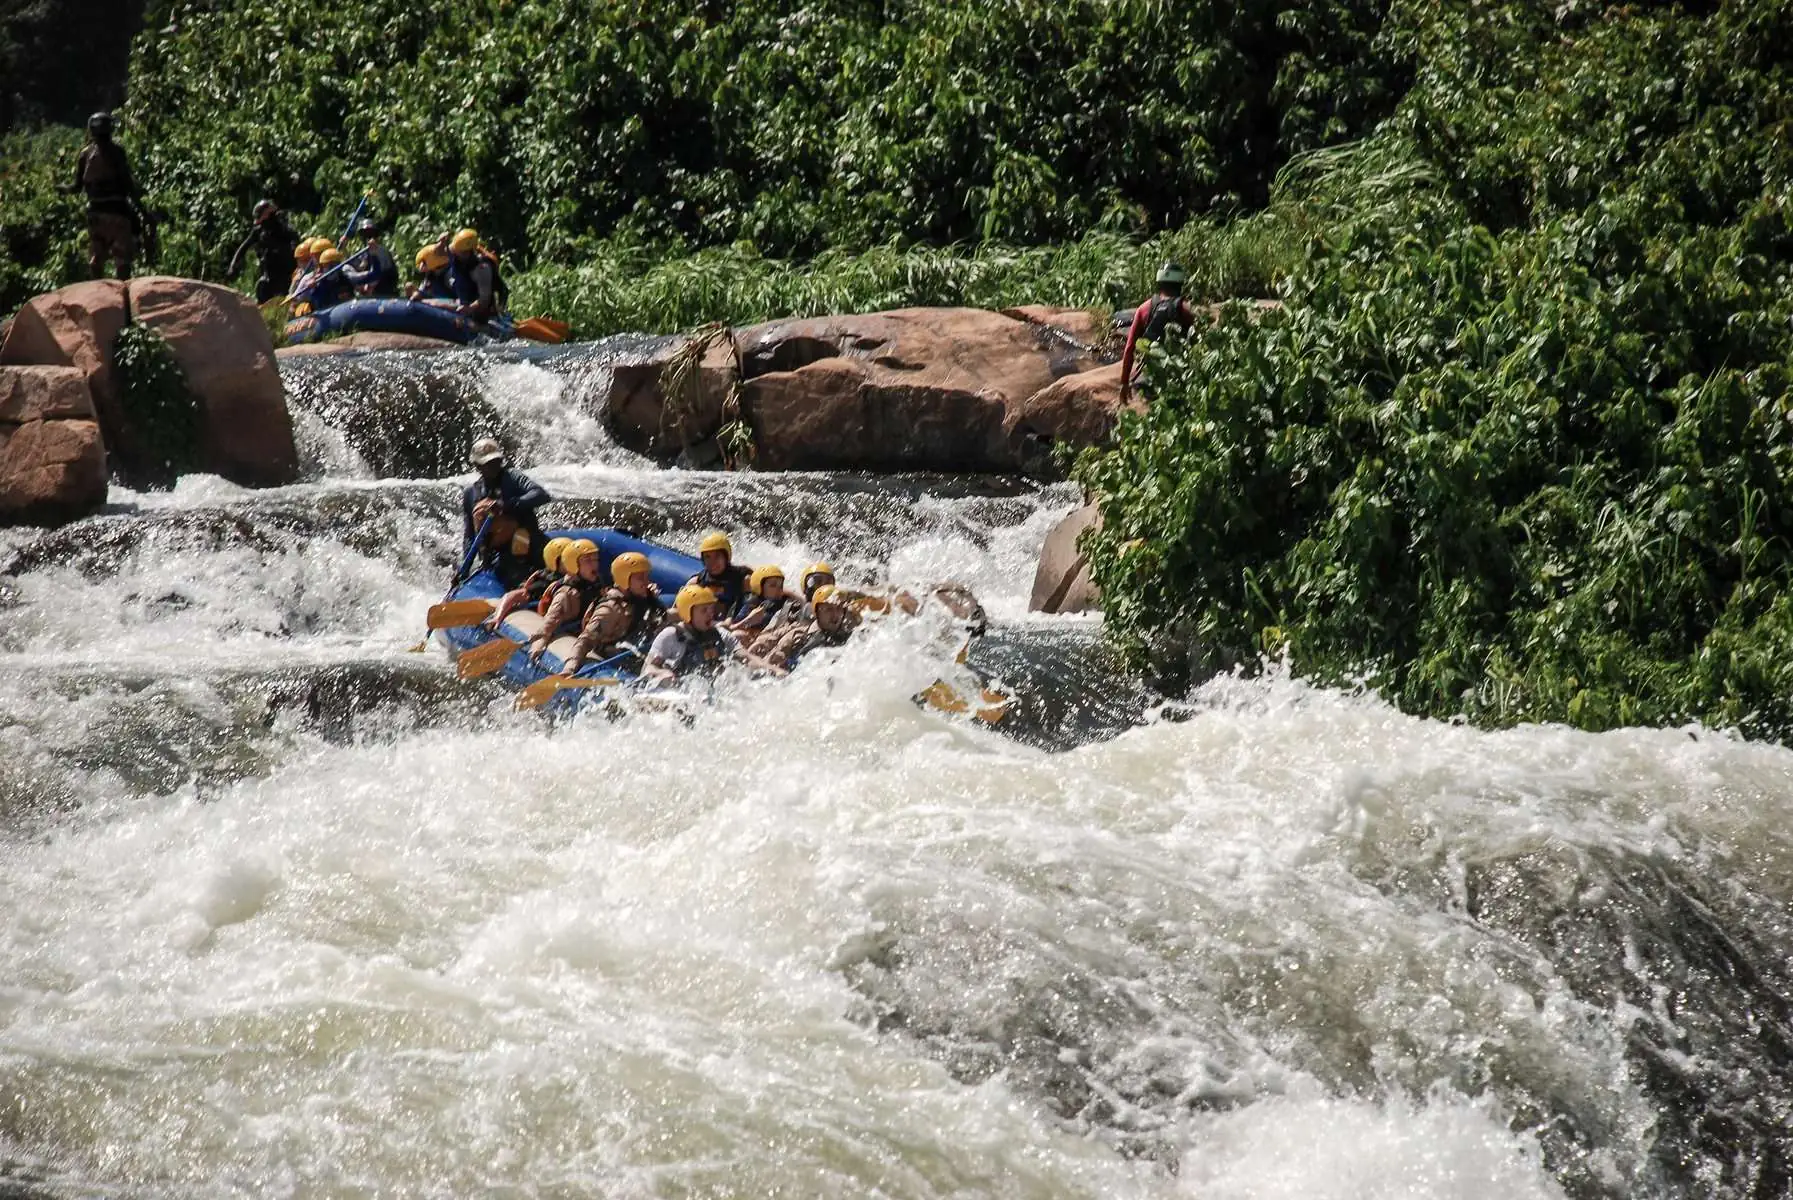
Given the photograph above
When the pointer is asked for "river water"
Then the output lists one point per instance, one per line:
(288, 911)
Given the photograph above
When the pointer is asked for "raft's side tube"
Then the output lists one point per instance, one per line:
(388, 316)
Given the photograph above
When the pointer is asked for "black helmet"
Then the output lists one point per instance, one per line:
(100, 122)
(264, 209)
(368, 228)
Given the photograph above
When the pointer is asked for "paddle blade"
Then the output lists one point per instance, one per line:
(485, 659)
(942, 696)
(544, 690)
(458, 614)
(541, 329)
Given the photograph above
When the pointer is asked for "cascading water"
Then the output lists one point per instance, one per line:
(290, 911)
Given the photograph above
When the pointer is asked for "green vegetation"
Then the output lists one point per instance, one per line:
(597, 138)
(161, 409)
(1517, 446)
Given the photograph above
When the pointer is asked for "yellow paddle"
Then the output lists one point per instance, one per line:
(458, 614)
(485, 659)
(541, 329)
(544, 690)
(943, 696)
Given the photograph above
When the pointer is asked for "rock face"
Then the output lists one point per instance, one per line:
(639, 413)
(1078, 410)
(227, 356)
(1061, 583)
(365, 340)
(73, 327)
(224, 352)
(52, 459)
(912, 390)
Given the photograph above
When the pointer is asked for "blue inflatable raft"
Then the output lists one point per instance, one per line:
(669, 570)
(392, 316)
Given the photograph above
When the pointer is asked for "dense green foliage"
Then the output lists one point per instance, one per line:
(161, 408)
(1517, 446)
(596, 136)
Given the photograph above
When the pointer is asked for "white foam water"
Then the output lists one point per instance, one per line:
(819, 940)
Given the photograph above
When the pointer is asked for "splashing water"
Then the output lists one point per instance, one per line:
(292, 912)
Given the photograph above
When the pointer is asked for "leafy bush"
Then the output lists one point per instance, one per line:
(1515, 448)
(161, 409)
(848, 123)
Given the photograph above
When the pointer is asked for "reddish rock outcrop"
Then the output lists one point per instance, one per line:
(914, 389)
(52, 458)
(1062, 583)
(1078, 410)
(224, 350)
(74, 326)
(366, 340)
(639, 414)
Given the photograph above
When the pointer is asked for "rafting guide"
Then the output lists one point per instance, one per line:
(502, 504)
(117, 222)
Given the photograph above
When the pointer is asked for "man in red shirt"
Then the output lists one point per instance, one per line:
(1155, 317)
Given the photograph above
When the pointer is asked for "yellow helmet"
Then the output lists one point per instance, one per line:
(464, 242)
(826, 594)
(716, 540)
(330, 257)
(551, 552)
(431, 258)
(689, 597)
(756, 582)
(625, 567)
(816, 568)
(572, 552)
(306, 249)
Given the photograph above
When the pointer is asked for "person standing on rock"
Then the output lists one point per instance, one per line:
(114, 212)
(1153, 319)
(274, 243)
(513, 541)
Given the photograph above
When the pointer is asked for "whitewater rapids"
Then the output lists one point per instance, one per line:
(288, 911)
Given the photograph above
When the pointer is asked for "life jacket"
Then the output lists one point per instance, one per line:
(1160, 313)
(105, 177)
(463, 283)
(632, 620)
(772, 608)
(537, 585)
(730, 587)
(435, 286)
(589, 591)
(702, 652)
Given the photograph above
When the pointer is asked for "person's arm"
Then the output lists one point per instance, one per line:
(658, 667)
(74, 188)
(467, 530)
(744, 655)
(236, 260)
(486, 305)
(587, 640)
(564, 608)
(1127, 354)
(530, 494)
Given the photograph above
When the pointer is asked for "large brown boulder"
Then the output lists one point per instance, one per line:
(913, 389)
(227, 356)
(640, 415)
(1078, 410)
(1062, 583)
(74, 326)
(52, 459)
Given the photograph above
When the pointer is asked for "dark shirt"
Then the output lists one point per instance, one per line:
(379, 277)
(102, 172)
(273, 242)
(519, 494)
(730, 588)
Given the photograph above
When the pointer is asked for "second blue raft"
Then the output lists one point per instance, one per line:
(392, 316)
